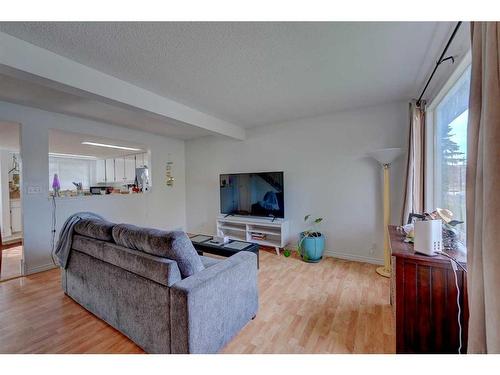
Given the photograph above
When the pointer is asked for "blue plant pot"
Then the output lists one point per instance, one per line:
(312, 248)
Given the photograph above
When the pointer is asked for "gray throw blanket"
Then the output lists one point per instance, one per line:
(65, 241)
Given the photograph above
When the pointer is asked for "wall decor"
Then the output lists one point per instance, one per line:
(169, 179)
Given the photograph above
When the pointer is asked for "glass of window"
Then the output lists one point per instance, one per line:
(451, 117)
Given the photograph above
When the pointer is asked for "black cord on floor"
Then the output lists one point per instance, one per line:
(53, 231)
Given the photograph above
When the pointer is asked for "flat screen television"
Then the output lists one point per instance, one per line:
(255, 194)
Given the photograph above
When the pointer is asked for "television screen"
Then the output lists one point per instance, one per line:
(256, 194)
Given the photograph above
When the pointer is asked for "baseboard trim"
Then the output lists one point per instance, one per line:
(42, 268)
(355, 258)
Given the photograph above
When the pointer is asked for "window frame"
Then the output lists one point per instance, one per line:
(432, 172)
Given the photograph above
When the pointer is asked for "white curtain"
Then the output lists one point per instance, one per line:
(414, 187)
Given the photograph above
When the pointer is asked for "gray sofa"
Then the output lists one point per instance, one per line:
(157, 290)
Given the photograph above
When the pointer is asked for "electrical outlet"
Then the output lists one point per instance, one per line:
(34, 189)
(373, 248)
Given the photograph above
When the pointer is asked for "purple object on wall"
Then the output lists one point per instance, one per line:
(56, 185)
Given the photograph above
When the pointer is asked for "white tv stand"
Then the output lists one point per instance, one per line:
(242, 227)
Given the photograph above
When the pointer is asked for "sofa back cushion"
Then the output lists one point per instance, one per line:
(174, 245)
(162, 270)
(95, 228)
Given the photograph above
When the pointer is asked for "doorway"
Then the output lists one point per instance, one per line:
(11, 230)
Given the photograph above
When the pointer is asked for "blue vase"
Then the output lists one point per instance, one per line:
(312, 248)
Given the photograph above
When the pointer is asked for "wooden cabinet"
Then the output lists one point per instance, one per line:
(424, 299)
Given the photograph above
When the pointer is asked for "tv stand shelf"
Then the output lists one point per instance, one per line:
(274, 232)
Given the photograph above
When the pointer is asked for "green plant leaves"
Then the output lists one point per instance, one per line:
(313, 231)
(316, 221)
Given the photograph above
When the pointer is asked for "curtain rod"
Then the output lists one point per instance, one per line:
(441, 60)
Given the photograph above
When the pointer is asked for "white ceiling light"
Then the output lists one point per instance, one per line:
(111, 146)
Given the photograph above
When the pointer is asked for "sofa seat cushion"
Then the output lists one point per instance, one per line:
(95, 228)
(162, 270)
(174, 245)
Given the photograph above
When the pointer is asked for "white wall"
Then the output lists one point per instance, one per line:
(5, 164)
(324, 159)
(327, 174)
(163, 207)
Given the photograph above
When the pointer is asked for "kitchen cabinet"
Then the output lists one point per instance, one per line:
(15, 216)
(110, 170)
(100, 171)
(130, 169)
(120, 170)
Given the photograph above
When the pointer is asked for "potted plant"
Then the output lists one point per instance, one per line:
(311, 241)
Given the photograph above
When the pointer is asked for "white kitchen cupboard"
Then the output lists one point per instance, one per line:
(15, 216)
(120, 170)
(100, 171)
(110, 170)
(130, 169)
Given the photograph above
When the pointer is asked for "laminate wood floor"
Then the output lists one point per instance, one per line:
(335, 306)
(11, 262)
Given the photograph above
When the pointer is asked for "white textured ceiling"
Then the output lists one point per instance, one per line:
(254, 73)
(32, 94)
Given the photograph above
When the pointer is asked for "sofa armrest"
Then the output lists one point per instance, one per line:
(210, 307)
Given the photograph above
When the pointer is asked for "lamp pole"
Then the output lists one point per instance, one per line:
(385, 157)
(386, 269)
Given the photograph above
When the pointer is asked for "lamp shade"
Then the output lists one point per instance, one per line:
(385, 155)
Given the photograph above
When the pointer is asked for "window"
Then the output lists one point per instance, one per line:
(71, 170)
(450, 151)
